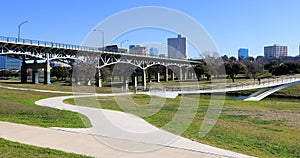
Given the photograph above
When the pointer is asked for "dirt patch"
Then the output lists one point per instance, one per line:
(289, 118)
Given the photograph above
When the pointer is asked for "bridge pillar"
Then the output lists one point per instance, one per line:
(47, 71)
(173, 76)
(149, 75)
(125, 82)
(166, 74)
(35, 73)
(158, 77)
(23, 72)
(185, 75)
(99, 78)
(134, 81)
(144, 79)
(180, 74)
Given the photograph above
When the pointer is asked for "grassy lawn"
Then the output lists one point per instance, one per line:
(19, 107)
(9, 149)
(263, 129)
(59, 86)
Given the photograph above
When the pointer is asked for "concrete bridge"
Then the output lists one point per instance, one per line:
(265, 88)
(45, 51)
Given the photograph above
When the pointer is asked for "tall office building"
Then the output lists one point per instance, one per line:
(10, 63)
(243, 53)
(178, 47)
(153, 51)
(275, 51)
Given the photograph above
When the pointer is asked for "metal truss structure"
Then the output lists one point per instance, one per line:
(38, 50)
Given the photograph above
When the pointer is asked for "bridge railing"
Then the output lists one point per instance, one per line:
(266, 81)
(46, 43)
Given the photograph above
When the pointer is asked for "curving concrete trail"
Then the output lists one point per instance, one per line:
(125, 127)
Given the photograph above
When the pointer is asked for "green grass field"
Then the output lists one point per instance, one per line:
(263, 129)
(19, 107)
(9, 149)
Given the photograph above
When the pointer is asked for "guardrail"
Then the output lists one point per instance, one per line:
(232, 86)
(46, 43)
(266, 81)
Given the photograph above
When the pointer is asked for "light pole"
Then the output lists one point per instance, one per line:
(102, 38)
(123, 42)
(19, 29)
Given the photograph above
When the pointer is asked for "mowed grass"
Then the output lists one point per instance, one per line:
(64, 86)
(19, 107)
(9, 149)
(262, 129)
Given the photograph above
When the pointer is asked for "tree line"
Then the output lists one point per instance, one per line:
(251, 67)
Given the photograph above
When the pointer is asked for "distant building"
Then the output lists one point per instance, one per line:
(162, 55)
(275, 51)
(243, 53)
(10, 63)
(137, 49)
(153, 52)
(178, 47)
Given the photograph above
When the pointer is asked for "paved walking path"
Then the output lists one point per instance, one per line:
(114, 134)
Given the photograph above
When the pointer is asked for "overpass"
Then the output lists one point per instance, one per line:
(27, 49)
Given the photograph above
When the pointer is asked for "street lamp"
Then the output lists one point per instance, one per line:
(102, 38)
(123, 42)
(19, 28)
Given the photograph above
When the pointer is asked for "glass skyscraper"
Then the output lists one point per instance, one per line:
(10, 63)
(153, 52)
(243, 53)
(178, 47)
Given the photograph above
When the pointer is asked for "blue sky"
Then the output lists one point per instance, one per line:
(232, 24)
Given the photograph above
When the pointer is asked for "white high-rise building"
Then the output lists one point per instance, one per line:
(275, 51)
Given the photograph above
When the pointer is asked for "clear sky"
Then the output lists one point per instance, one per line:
(233, 24)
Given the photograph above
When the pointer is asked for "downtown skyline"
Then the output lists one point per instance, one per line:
(232, 24)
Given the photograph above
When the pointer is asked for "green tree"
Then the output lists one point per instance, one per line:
(233, 69)
(254, 69)
(202, 69)
(60, 72)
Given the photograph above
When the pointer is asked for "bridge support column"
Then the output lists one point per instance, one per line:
(135, 83)
(166, 74)
(35, 73)
(149, 75)
(23, 72)
(125, 80)
(185, 75)
(158, 77)
(99, 78)
(144, 79)
(47, 71)
(180, 74)
(173, 76)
